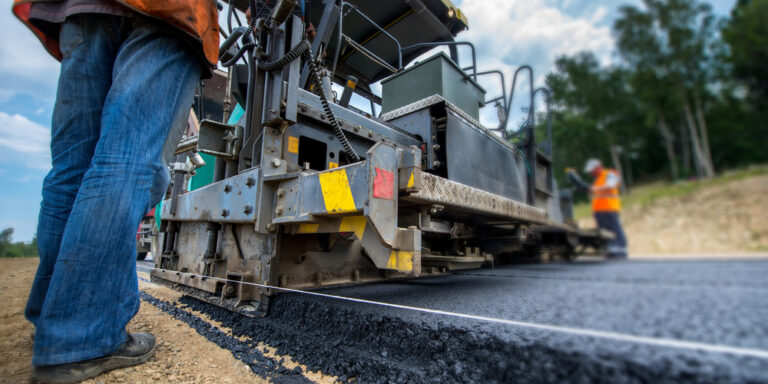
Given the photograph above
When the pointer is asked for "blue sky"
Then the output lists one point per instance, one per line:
(508, 33)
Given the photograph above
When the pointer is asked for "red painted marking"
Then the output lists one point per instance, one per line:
(384, 184)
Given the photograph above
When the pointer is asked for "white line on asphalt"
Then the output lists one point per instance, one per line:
(655, 341)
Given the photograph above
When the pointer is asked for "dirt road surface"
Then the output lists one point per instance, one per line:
(183, 355)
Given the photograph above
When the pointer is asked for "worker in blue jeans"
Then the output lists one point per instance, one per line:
(126, 85)
(606, 204)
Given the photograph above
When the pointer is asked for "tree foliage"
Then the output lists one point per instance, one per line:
(672, 106)
(19, 249)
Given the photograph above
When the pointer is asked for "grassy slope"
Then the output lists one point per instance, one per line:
(646, 194)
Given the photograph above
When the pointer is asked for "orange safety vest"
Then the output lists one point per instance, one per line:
(197, 18)
(606, 200)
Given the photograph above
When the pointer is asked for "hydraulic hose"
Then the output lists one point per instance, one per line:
(316, 77)
(294, 54)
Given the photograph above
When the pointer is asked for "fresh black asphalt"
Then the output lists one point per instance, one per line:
(713, 302)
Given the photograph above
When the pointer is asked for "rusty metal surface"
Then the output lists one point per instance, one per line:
(437, 190)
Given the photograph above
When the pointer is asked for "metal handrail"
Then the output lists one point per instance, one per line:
(503, 126)
(449, 43)
(357, 46)
(503, 96)
(548, 99)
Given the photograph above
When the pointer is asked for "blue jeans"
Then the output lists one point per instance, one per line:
(125, 88)
(610, 221)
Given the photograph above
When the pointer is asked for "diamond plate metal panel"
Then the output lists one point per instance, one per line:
(438, 190)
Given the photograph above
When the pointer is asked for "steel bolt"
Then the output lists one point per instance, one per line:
(227, 188)
(230, 290)
(280, 192)
(248, 209)
(272, 228)
(437, 164)
(279, 210)
(370, 133)
(276, 163)
(250, 182)
(224, 212)
(357, 128)
(436, 147)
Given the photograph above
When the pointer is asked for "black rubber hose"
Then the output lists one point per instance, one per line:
(315, 73)
(292, 55)
(239, 54)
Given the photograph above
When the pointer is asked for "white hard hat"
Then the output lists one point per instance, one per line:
(591, 165)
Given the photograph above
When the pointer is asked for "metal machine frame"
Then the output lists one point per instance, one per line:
(289, 207)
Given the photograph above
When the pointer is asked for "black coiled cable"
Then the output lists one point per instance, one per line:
(240, 53)
(292, 55)
(315, 74)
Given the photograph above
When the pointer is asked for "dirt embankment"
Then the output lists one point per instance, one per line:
(719, 219)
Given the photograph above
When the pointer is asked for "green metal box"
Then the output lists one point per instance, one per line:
(438, 75)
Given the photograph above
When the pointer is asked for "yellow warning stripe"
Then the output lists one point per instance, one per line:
(401, 261)
(336, 192)
(293, 144)
(354, 224)
(309, 228)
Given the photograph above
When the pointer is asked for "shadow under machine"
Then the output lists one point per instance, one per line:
(309, 191)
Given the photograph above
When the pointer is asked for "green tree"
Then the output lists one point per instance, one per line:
(595, 111)
(19, 249)
(746, 34)
(668, 46)
(6, 236)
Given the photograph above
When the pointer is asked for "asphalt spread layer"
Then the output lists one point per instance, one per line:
(246, 352)
(710, 302)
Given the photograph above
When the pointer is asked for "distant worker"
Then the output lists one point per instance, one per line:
(606, 203)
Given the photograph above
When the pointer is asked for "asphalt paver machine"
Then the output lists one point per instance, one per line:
(311, 190)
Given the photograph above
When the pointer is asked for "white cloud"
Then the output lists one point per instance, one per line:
(509, 34)
(25, 66)
(27, 140)
(599, 14)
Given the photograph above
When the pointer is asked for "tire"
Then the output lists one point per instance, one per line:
(141, 255)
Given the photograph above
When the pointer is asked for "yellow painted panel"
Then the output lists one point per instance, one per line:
(354, 224)
(336, 192)
(293, 144)
(351, 84)
(332, 165)
(308, 228)
(401, 261)
(410, 181)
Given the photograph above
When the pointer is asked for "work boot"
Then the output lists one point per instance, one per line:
(138, 348)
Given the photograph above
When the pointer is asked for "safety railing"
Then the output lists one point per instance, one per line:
(346, 9)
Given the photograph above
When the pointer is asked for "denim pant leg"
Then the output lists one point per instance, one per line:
(610, 221)
(93, 292)
(86, 74)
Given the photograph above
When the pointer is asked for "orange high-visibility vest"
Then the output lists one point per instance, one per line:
(197, 18)
(606, 200)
